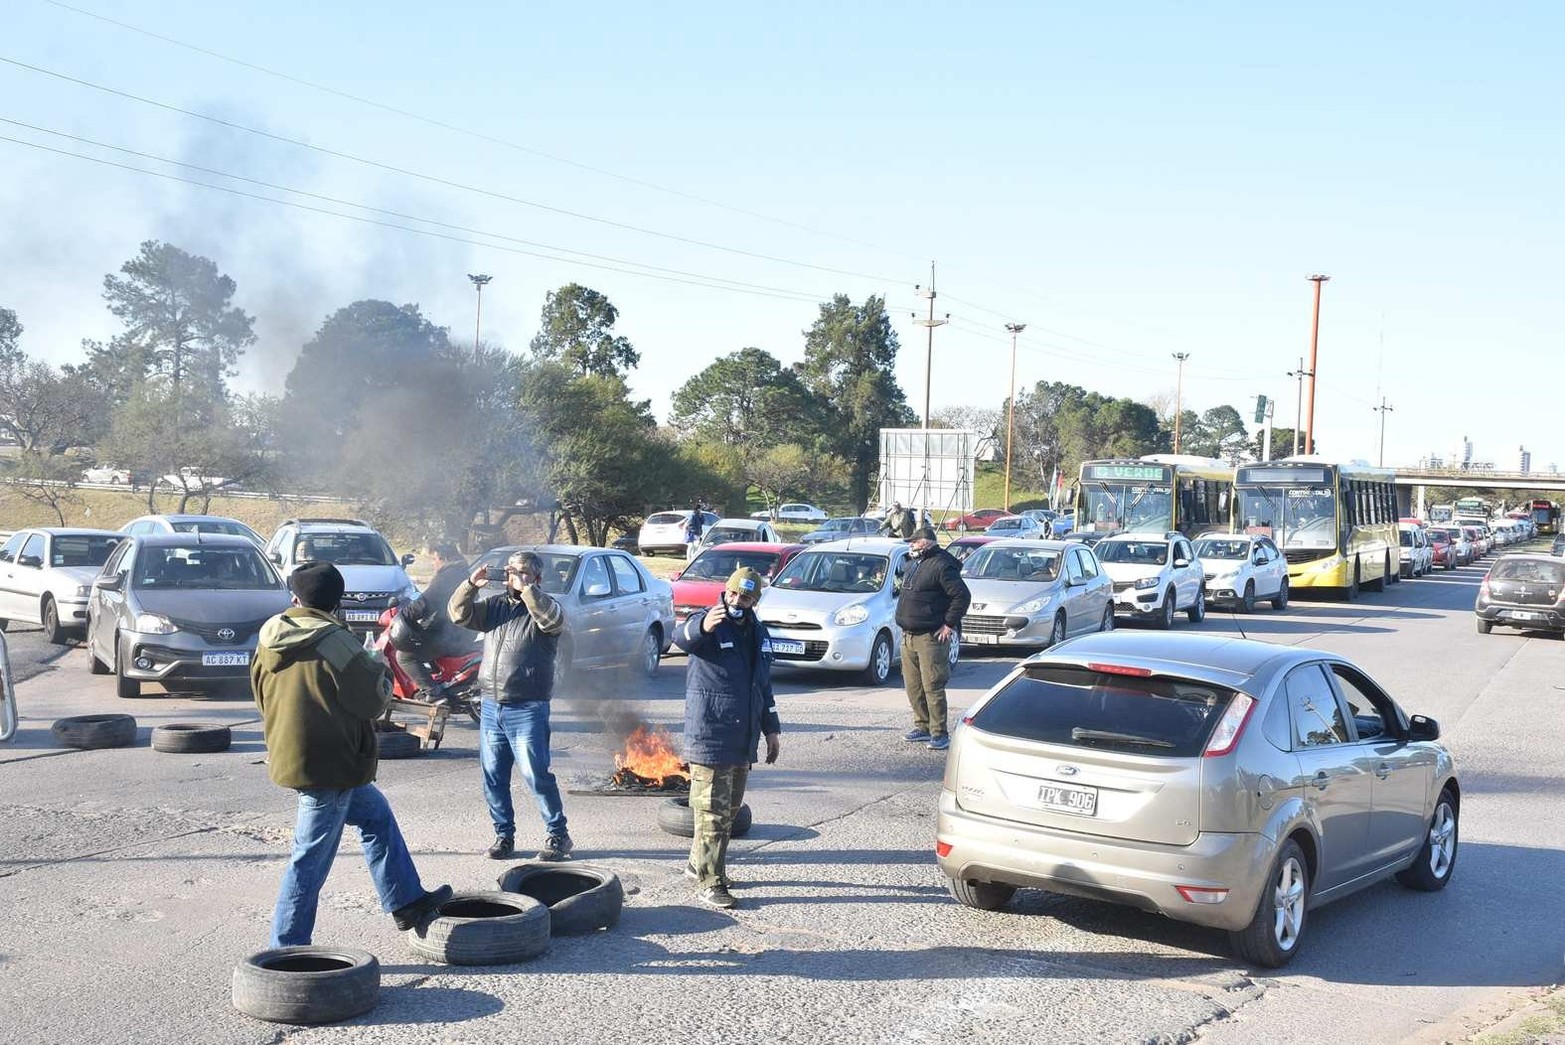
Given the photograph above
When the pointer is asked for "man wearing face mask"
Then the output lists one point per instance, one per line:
(929, 611)
(729, 708)
(516, 680)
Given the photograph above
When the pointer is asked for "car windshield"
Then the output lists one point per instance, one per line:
(718, 565)
(725, 534)
(345, 549)
(1078, 707)
(1407, 539)
(1145, 553)
(1529, 570)
(1005, 524)
(234, 529)
(164, 568)
(833, 571)
(82, 550)
(1217, 548)
(1012, 564)
(962, 549)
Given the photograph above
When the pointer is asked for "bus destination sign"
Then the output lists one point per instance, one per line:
(1152, 472)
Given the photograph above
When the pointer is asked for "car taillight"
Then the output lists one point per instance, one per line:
(1197, 894)
(1483, 587)
(942, 848)
(1120, 669)
(1230, 726)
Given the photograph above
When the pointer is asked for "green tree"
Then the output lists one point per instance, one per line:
(146, 436)
(10, 336)
(1219, 430)
(746, 399)
(577, 329)
(850, 353)
(1060, 425)
(42, 409)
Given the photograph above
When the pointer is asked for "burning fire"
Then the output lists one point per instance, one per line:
(649, 755)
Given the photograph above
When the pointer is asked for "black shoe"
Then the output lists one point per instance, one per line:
(504, 846)
(557, 847)
(717, 896)
(414, 914)
(722, 879)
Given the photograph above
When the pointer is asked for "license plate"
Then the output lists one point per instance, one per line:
(1066, 798)
(788, 646)
(1524, 615)
(225, 660)
(981, 640)
(361, 616)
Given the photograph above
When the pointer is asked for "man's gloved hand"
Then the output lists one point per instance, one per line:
(773, 747)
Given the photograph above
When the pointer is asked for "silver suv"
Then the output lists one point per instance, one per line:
(374, 575)
(1225, 782)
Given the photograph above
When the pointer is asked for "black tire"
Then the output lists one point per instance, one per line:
(985, 896)
(1432, 868)
(961, 527)
(4, 624)
(1057, 633)
(96, 666)
(581, 898)
(1248, 604)
(89, 732)
(1197, 613)
(1280, 600)
(1484, 626)
(1165, 620)
(487, 928)
(49, 616)
(879, 669)
(124, 688)
(1108, 622)
(307, 985)
(185, 738)
(1379, 583)
(1353, 589)
(676, 817)
(1272, 939)
(649, 654)
(395, 743)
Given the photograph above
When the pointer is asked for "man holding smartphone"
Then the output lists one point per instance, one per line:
(516, 680)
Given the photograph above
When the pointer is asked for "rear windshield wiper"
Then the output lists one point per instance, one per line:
(1078, 733)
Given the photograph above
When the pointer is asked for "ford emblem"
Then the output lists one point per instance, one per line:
(1065, 770)
(225, 634)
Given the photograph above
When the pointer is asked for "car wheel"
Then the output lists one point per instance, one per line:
(1107, 624)
(1057, 633)
(879, 669)
(985, 896)
(125, 688)
(3, 624)
(651, 653)
(1249, 597)
(49, 617)
(1165, 620)
(1484, 626)
(1197, 613)
(956, 648)
(1272, 937)
(961, 526)
(1280, 600)
(1436, 860)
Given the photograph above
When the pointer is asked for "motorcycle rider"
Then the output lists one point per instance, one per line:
(430, 617)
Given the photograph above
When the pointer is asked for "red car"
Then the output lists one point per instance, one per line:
(1445, 551)
(962, 547)
(974, 520)
(699, 584)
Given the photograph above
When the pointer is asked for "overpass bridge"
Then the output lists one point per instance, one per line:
(1412, 481)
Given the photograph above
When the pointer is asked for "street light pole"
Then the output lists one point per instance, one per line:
(1298, 411)
(1383, 409)
(1309, 415)
(479, 281)
(929, 346)
(1179, 397)
(1010, 412)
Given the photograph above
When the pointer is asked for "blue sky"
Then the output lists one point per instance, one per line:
(1131, 181)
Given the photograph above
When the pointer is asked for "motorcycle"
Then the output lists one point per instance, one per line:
(456, 675)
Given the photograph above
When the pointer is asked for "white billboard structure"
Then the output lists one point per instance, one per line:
(930, 468)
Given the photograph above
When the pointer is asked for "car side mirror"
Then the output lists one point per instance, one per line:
(276, 557)
(407, 560)
(1181, 563)
(597, 590)
(1422, 727)
(29, 560)
(114, 583)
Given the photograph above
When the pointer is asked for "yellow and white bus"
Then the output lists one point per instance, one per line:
(1156, 493)
(1335, 523)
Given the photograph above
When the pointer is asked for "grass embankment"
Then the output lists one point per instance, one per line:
(111, 509)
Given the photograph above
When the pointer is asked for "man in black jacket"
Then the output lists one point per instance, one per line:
(431, 614)
(516, 681)
(929, 612)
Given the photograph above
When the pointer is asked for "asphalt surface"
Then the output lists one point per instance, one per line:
(131, 881)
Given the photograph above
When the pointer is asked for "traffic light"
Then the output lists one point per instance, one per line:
(1260, 409)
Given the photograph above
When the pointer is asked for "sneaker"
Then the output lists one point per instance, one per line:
(503, 847)
(412, 915)
(940, 743)
(916, 736)
(556, 847)
(723, 879)
(717, 896)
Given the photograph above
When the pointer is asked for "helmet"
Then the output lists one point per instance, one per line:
(405, 633)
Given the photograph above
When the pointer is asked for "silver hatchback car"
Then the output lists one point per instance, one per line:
(1225, 782)
(1035, 593)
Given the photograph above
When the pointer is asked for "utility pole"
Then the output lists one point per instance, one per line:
(1383, 409)
(1309, 415)
(1179, 397)
(931, 323)
(1298, 412)
(1010, 412)
(479, 281)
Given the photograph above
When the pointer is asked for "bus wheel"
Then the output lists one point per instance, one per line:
(1379, 583)
(1353, 589)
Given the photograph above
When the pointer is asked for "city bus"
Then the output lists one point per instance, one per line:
(1473, 510)
(1335, 523)
(1546, 516)
(1156, 493)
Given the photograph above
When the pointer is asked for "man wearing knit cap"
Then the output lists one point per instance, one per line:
(929, 611)
(320, 692)
(729, 708)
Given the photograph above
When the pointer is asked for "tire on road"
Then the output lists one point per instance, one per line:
(676, 817)
(582, 898)
(396, 743)
(95, 731)
(484, 928)
(1436, 860)
(983, 896)
(191, 738)
(306, 985)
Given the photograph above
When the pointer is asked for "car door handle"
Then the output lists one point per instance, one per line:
(1383, 770)
(1321, 781)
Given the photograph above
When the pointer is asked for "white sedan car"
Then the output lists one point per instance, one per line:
(793, 513)
(1155, 576)
(1241, 568)
(46, 575)
(112, 476)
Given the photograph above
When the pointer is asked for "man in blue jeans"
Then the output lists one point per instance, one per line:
(516, 681)
(319, 693)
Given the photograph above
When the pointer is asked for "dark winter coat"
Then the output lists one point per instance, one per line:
(524, 633)
(933, 594)
(728, 690)
(431, 610)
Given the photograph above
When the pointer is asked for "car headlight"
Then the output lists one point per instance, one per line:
(1149, 582)
(154, 624)
(83, 590)
(858, 613)
(1034, 606)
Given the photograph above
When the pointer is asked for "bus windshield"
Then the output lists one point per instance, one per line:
(1293, 516)
(1127, 506)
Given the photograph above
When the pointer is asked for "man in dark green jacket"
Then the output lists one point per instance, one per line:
(320, 692)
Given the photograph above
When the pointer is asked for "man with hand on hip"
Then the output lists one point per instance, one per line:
(929, 611)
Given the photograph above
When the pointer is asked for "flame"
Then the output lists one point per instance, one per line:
(649, 752)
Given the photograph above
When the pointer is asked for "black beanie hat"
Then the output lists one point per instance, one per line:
(318, 585)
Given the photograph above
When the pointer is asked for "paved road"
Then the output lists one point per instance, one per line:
(132, 881)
